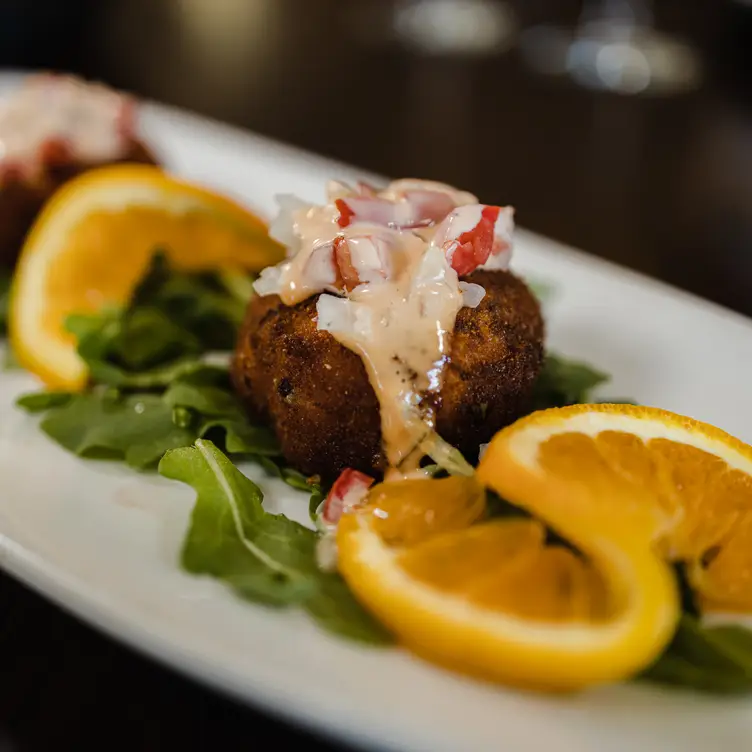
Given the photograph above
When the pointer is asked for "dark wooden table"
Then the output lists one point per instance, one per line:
(663, 185)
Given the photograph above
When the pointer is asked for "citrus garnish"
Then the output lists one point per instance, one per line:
(627, 472)
(93, 241)
(494, 598)
(627, 490)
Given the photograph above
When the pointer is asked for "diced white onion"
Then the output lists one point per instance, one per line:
(282, 226)
(268, 282)
(472, 294)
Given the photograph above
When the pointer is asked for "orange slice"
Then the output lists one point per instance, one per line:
(626, 472)
(630, 489)
(494, 599)
(92, 242)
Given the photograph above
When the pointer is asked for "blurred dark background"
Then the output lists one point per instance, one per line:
(631, 139)
(657, 179)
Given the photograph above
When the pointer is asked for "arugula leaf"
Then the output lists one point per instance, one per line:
(149, 337)
(171, 319)
(138, 428)
(206, 391)
(209, 306)
(335, 609)
(297, 480)
(155, 378)
(206, 399)
(314, 502)
(264, 557)
(565, 382)
(5, 280)
(242, 437)
(709, 659)
(38, 402)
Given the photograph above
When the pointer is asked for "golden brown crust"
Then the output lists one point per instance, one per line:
(316, 393)
(497, 354)
(21, 200)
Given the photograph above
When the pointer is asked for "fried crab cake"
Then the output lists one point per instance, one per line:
(52, 129)
(317, 397)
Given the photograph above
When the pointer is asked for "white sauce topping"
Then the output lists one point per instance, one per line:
(90, 119)
(388, 264)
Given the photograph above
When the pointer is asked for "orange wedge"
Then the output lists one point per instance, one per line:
(495, 599)
(628, 489)
(92, 242)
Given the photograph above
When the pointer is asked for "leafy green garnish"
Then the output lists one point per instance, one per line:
(138, 428)
(263, 557)
(5, 280)
(297, 480)
(714, 659)
(39, 402)
(565, 382)
(171, 321)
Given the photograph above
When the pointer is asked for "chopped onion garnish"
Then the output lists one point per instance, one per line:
(282, 226)
(268, 281)
(326, 552)
(472, 294)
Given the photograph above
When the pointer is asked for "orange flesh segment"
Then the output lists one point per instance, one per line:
(704, 499)
(504, 565)
(501, 565)
(410, 511)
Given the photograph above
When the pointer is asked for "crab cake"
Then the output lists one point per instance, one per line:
(394, 318)
(51, 129)
(317, 396)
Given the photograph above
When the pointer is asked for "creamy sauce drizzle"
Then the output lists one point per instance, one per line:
(400, 313)
(402, 332)
(90, 119)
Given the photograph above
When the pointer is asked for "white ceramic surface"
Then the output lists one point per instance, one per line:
(103, 541)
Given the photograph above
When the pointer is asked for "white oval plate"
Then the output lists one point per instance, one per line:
(103, 541)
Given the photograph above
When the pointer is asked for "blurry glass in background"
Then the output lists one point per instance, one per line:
(456, 28)
(464, 27)
(615, 46)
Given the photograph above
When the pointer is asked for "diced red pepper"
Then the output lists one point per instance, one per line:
(475, 246)
(347, 276)
(345, 213)
(349, 490)
(55, 151)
